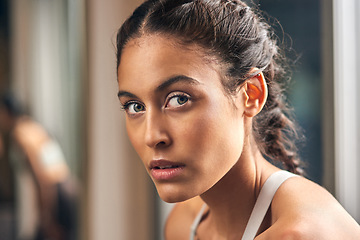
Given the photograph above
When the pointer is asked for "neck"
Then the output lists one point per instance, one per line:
(232, 199)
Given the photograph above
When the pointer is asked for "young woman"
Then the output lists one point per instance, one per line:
(200, 83)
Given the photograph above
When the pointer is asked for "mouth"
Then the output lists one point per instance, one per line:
(162, 170)
(164, 164)
(166, 167)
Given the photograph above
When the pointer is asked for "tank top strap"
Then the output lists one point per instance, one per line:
(196, 222)
(263, 202)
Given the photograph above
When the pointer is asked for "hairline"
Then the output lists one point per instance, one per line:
(211, 59)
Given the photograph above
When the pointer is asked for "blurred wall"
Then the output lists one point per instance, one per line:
(346, 28)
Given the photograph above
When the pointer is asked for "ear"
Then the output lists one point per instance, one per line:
(256, 92)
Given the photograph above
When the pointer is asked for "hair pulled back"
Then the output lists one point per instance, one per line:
(241, 40)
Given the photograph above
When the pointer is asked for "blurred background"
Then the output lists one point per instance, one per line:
(59, 109)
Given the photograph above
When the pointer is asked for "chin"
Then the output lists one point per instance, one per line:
(173, 196)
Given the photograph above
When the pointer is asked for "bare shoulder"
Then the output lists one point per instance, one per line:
(180, 219)
(302, 209)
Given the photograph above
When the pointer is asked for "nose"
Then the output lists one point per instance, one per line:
(156, 132)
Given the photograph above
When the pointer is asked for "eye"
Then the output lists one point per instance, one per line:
(133, 108)
(177, 100)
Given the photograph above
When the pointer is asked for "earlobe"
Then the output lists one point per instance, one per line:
(256, 94)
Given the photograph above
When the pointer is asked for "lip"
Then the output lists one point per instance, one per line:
(163, 170)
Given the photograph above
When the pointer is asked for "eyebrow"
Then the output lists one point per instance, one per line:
(164, 85)
(126, 94)
(176, 79)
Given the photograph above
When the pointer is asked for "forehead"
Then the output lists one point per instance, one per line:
(153, 58)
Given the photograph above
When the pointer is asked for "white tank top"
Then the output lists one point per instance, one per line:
(262, 204)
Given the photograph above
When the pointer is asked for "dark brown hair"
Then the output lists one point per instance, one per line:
(241, 40)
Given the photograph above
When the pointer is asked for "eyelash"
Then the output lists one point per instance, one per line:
(126, 105)
(178, 95)
(171, 96)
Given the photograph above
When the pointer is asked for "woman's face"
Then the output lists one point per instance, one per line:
(184, 127)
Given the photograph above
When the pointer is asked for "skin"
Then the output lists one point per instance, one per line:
(196, 124)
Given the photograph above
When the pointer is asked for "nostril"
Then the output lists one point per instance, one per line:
(161, 144)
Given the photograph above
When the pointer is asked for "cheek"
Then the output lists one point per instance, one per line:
(214, 137)
(136, 138)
